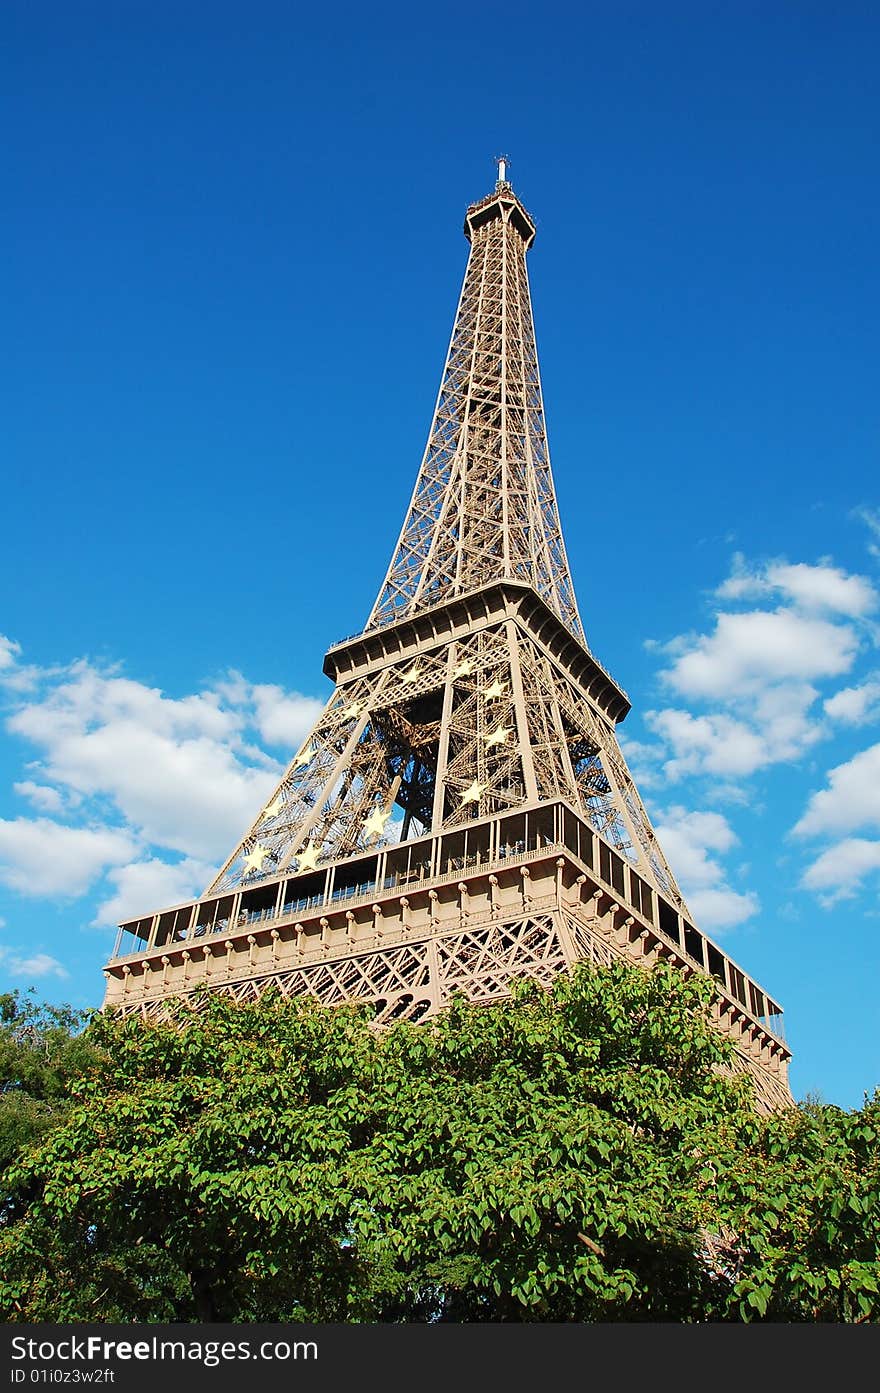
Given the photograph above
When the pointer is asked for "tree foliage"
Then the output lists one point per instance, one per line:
(572, 1155)
(42, 1052)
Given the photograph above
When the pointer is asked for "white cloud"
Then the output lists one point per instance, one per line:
(10, 651)
(822, 587)
(720, 909)
(145, 772)
(778, 729)
(643, 760)
(284, 718)
(784, 720)
(635, 749)
(39, 965)
(714, 744)
(758, 668)
(144, 886)
(839, 872)
(855, 705)
(191, 795)
(852, 799)
(176, 769)
(871, 518)
(733, 793)
(91, 699)
(687, 839)
(14, 676)
(39, 857)
(825, 587)
(44, 799)
(750, 651)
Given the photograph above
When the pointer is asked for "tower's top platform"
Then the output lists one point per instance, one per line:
(502, 204)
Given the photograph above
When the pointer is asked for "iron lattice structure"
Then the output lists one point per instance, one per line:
(484, 505)
(467, 755)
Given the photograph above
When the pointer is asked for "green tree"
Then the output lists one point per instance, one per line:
(804, 1202)
(42, 1052)
(572, 1155)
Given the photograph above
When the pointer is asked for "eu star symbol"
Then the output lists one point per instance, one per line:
(375, 823)
(497, 689)
(464, 668)
(304, 757)
(274, 808)
(472, 794)
(255, 857)
(308, 858)
(354, 708)
(499, 736)
(413, 674)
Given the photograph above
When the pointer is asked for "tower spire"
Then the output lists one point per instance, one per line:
(484, 505)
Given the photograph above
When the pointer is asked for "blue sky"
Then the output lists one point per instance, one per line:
(231, 254)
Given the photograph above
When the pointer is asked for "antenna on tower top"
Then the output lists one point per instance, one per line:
(502, 162)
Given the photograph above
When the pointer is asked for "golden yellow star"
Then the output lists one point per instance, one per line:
(375, 823)
(464, 668)
(498, 736)
(255, 857)
(353, 709)
(304, 757)
(308, 857)
(413, 674)
(472, 794)
(273, 809)
(497, 689)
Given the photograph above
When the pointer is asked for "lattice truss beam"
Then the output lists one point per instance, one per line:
(484, 505)
(418, 978)
(478, 726)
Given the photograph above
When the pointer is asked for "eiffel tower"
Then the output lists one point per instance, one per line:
(461, 814)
